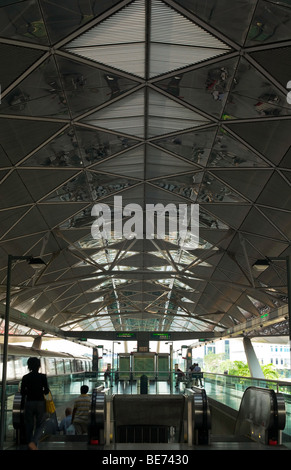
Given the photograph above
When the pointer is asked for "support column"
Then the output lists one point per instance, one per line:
(253, 363)
(37, 342)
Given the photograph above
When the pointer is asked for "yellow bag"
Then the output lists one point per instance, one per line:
(49, 404)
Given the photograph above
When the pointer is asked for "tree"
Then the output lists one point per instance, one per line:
(239, 368)
(216, 363)
(270, 372)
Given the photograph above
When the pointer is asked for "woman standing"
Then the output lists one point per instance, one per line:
(34, 386)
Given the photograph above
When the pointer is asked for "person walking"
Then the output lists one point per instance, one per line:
(34, 386)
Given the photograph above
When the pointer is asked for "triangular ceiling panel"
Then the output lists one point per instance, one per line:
(228, 151)
(278, 218)
(59, 23)
(248, 183)
(165, 115)
(40, 182)
(232, 19)
(124, 116)
(41, 93)
(118, 41)
(192, 145)
(270, 23)
(257, 224)
(96, 145)
(130, 163)
(161, 163)
(233, 216)
(56, 217)
(23, 58)
(264, 137)
(60, 151)
(121, 42)
(74, 190)
(10, 217)
(33, 31)
(13, 192)
(87, 87)
(212, 190)
(253, 96)
(27, 228)
(277, 193)
(186, 186)
(205, 87)
(13, 133)
(275, 62)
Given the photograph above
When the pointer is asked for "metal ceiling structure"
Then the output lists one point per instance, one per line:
(157, 101)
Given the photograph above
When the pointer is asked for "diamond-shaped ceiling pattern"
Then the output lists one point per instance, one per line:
(157, 101)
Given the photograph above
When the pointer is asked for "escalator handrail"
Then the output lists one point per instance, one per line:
(277, 413)
(201, 410)
(18, 411)
(97, 411)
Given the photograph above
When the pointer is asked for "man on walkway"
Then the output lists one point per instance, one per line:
(80, 417)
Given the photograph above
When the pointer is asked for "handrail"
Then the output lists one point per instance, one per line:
(97, 416)
(199, 419)
(278, 383)
(18, 417)
(262, 415)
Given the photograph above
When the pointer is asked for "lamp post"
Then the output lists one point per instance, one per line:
(171, 365)
(262, 264)
(35, 263)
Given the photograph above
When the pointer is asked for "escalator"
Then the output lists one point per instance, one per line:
(50, 424)
(187, 420)
(151, 419)
(260, 419)
(262, 416)
(184, 421)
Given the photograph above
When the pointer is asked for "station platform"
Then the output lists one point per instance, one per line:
(188, 419)
(183, 413)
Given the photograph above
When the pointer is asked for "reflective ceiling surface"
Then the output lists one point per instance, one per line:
(157, 101)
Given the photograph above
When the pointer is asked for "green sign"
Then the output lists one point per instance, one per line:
(125, 335)
(161, 336)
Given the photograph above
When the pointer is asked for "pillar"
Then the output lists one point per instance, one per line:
(253, 363)
(37, 342)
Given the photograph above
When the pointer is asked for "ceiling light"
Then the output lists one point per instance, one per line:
(36, 263)
(261, 265)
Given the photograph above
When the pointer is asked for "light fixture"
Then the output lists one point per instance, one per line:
(261, 265)
(36, 263)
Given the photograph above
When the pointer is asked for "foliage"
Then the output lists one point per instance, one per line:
(239, 368)
(217, 364)
(270, 372)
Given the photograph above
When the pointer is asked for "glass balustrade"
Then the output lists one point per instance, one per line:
(226, 389)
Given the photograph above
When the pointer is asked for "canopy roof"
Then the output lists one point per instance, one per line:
(157, 101)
